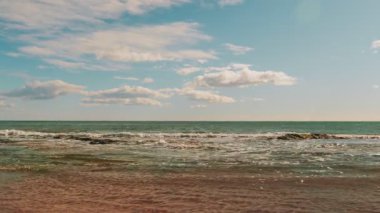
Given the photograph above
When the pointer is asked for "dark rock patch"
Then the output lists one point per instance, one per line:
(315, 136)
(101, 141)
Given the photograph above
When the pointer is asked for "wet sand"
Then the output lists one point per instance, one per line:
(202, 191)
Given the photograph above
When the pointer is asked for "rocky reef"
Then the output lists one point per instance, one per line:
(308, 136)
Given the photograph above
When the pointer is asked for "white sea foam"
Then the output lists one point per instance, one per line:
(13, 133)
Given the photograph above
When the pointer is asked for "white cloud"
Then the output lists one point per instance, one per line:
(124, 101)
(376, 44)
(65, 64)
(56, 14)
(202, 61)
(188, 70)
(127, 92)
(243, 100)
(229, 2)
(74, 34)
(86, 65)
(168, 42)
(148, 80)
(4, 104)
(145, 80)
(241, 75)
(138, 7)
(126, 78)
(238, 50)
(198, 106)
(37, 90)
(126, 95)
(207, 96)
(38, 51)
(376, 86)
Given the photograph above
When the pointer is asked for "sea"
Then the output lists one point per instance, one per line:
(297, 148)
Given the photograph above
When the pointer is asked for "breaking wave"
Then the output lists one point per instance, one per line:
(110, 137)
(312, 153)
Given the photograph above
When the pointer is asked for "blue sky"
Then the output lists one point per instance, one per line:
(189, 60)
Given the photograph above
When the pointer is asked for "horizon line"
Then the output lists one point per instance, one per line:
(188, 121)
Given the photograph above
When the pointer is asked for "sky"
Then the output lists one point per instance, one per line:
(222, 60)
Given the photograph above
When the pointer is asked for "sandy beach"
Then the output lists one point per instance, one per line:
(207, 191)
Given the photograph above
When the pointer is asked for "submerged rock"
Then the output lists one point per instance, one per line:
(295, 136)
(4, 140)
(60, 137)
(101, 141)
(84, 138)
(291, 136)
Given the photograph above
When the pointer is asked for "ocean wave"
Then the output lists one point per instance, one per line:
(110, 137)
(301, 151)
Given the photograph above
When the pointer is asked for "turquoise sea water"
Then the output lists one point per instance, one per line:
(345, 148)
(195, 127)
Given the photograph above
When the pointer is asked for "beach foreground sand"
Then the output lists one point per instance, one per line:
(205, 191)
